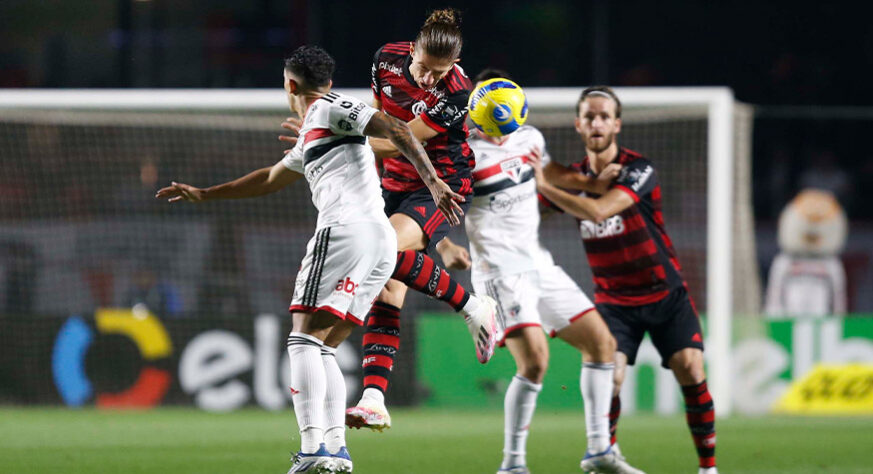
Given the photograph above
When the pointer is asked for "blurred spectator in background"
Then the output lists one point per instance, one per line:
(18, 268)
(136, 191)
(807, 277)
(824, 172)
(159, 296)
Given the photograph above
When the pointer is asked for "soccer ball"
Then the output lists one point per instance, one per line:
(498, 107)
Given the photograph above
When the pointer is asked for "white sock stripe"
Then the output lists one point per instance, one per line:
(599, 365)
(301, 342)
(527, 383)
(302, 338)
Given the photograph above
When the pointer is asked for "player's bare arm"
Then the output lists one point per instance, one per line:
(257, 183)
(567, 178)
(384, 148)
(402, 137)
(597, 210)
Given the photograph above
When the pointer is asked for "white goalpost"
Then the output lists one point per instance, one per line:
(699, 137)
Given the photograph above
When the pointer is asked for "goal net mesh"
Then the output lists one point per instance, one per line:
(80, 227)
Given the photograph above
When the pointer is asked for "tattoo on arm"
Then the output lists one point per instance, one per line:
(399, 133)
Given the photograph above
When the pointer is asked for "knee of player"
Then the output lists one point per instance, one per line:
(600, 348)
(688, 366)
(605, 345)
(535, 367)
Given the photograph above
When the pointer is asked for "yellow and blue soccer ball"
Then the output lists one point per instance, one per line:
(498, 107)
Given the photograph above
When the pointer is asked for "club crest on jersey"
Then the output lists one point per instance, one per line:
(512, 168)
(418, 108)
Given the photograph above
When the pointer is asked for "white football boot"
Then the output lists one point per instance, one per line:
(607, 462)
(707, 470)
(319, 462)
(514, 470)
(342, 461)
(482, 324)
(368, 413)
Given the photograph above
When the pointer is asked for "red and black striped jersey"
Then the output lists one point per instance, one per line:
(631, 257)
(442, 107)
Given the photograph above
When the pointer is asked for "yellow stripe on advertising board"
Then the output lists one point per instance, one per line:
(830, 390)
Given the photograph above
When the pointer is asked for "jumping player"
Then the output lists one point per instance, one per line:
(353, 244)
(532, 293)
(638, 281)
(421, 83)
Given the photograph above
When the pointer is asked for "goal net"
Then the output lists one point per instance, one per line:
(80, 228)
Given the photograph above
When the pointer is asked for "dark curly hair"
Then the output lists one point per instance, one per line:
(491, 73)
(313, 64)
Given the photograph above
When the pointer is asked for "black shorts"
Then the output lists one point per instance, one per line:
(672, 323)
(420, 207)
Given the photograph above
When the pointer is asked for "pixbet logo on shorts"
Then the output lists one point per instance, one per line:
(76, 336)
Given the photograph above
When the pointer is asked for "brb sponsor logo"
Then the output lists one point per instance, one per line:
(76, 337)
(608, 228)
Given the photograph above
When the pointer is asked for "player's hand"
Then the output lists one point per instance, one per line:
(179, 191)
(454, 256)
(611, 172)
(536, 162)
(293, 125)
(447, 201)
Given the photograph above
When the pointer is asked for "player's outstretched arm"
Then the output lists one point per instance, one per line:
(257, 183)
(567, 178)
(384, 148)
(400, 135)
(597, 210)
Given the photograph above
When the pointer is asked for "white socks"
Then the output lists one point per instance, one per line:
(308, 388)
(518, 409)
(595, 383)
(373, 394)
(334, 401)
(471, 305)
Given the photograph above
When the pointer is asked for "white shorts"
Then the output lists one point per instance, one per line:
(548, 298)
(344, 269)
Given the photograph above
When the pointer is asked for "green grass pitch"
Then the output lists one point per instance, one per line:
(184, 440)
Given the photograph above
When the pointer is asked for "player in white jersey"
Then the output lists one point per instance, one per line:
(354, 250)
(532, 293)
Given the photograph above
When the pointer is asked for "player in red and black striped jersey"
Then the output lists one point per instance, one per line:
(438, 109)
(420, 83)
(638, 281)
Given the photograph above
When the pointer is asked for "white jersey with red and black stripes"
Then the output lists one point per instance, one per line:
(503, 221)
(333, 154)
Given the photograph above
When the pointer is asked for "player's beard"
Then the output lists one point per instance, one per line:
(602, 143)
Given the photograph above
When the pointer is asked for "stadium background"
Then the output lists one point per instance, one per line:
(80, 232)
